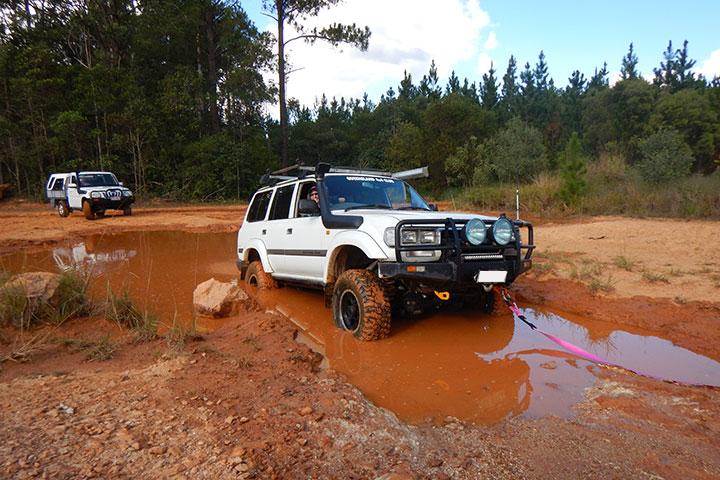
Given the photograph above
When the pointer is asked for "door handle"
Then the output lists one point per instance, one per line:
(289, 231)
(264, 231)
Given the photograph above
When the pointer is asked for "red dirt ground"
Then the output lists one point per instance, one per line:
(249, 401)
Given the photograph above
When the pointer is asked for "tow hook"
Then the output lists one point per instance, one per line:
(444, 296)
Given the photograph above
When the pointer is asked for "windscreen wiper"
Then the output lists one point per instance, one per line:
(412, 207)
(374, 205)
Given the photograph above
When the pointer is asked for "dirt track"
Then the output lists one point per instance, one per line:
(249, 401)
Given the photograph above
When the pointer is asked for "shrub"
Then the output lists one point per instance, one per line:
(121, 310)
(664, 156)
(572, 171)
(517, 153)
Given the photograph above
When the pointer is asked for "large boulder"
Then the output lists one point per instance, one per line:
(217, 299)
(39, 287)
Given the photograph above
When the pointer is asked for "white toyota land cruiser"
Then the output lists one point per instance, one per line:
(91, 192)
(374, 246)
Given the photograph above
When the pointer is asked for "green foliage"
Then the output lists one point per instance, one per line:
(121, 310)
(664, 157)
(572, 171)
(468, 165)
(517, 152)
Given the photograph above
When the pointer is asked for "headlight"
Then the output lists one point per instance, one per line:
(502, 231)
(475, 231)
(127, 193)
(389, 236)
(430, 237)
(408, 237)
(97, 194)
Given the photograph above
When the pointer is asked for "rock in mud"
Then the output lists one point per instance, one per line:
(39, 287)
(217, 299)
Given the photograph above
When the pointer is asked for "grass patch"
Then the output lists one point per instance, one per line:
(602, 284)
(121, 310)
(252, 341)
(69, 300)
(624, 263)
(654, 277)
(99, 349)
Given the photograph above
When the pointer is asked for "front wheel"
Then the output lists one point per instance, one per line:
(88, 211)
(359, 305)
(62, 208)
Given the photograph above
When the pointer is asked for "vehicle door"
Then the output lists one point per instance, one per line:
(306, 254)
(73, 196)
(255, 227)
(279, 231)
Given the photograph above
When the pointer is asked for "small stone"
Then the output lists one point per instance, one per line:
(306, 411)
(242, 467)
(244, 419)
(302, 441)
(135, 446)
(229, 420)
(235, 460)
(237, 452)
(158, 450)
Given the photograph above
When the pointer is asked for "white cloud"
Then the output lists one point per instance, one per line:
(492, 42)
(406, 36)
(484, 63)
(711, 66)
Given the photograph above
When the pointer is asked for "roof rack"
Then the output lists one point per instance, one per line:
(301, 171)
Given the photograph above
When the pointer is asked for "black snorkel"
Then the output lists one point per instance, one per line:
(329, 219)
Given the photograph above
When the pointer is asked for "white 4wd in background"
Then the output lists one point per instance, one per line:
(374, 246)
(91, 192)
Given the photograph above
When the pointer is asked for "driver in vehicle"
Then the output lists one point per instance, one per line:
(314, 196)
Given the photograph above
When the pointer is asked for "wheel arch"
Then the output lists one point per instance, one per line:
(255, 250)
(350, 250)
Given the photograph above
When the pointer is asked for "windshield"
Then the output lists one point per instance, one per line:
(350, 192)
(98, 180)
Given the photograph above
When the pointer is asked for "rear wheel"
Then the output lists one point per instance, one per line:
(257, 277)
(62, 208)
(87, 211)
(359, 305)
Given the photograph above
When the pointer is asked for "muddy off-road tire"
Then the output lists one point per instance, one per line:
(359, 305)
(62, 208)
(256, 277)
(87, 211)
(127, 211)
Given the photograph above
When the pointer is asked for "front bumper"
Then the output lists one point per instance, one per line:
(463, 273)
(108, 204)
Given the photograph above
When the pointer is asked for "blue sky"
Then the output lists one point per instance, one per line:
(466, 35)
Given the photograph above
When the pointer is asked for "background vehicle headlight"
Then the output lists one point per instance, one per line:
(408, 237)
(127, 193)
(475, 231)
(389, 236)
(502, 231)
(96, 194)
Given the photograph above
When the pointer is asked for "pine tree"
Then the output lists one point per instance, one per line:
(489, 90)
(453, 85)
(628, 69)
(541, 73)
(665, 74)
(509, 89)
(682, 69)
(599, 79)
(429, 84)
(572, 171)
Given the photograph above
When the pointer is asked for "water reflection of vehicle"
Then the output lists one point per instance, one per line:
(82, 257)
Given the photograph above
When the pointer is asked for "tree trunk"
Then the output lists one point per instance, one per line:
(281, 72)
(212, 73)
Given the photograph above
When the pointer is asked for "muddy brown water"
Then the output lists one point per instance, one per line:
(463, 364)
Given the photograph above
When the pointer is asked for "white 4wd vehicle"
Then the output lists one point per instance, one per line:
(375, 246)
(91, 192)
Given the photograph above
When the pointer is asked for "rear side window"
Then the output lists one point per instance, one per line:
(58, 186)
(281, 203)
(259, 207)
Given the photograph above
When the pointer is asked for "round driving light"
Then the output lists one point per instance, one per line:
(502, 231)
(475, 231)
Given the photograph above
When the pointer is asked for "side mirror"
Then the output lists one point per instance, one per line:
(433, 207)
(308, 208)
(121, 184)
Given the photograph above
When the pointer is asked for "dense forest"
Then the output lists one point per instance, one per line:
(171, 96)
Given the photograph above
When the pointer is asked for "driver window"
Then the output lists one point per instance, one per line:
(305, 192)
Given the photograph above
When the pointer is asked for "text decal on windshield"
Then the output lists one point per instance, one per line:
(370, 179)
